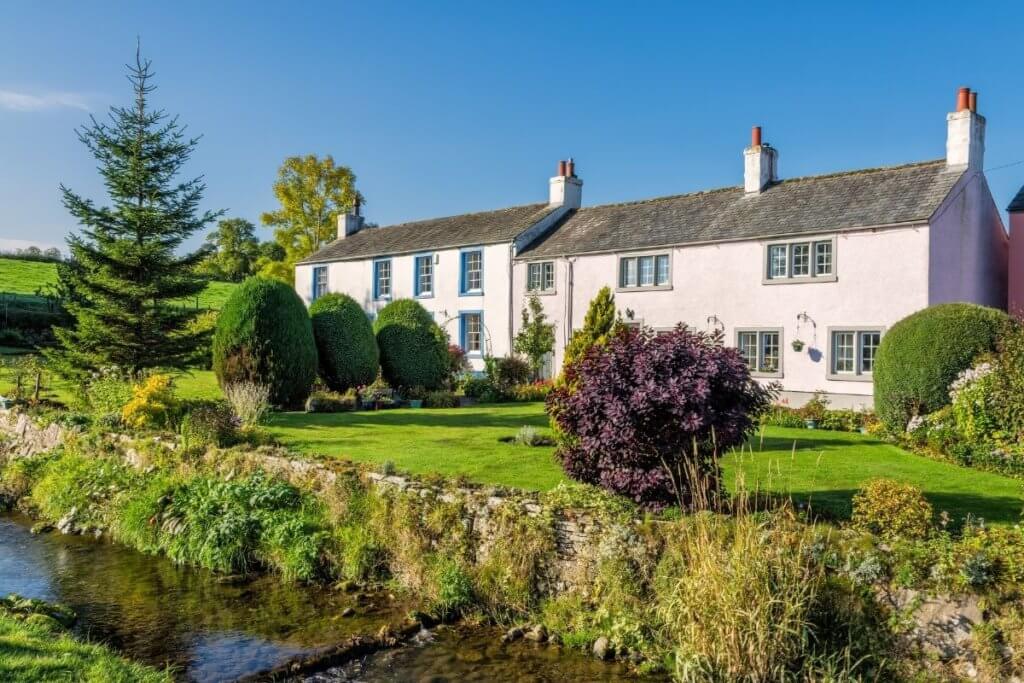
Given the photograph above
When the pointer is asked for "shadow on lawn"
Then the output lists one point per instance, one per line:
(821, 440)
(838, 505)
(423, 417)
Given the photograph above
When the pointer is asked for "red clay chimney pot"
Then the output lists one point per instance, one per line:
(963, 97)
(561, 168)
(755, 136)
(570, 168)
(972, 101)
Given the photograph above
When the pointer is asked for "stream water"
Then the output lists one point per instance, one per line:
(211, 629)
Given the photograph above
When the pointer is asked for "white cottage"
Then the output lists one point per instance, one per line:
(803, 275)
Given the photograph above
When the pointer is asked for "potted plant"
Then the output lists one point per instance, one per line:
(415, 396)
(798, 345)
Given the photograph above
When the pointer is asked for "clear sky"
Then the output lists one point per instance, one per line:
(444, 108)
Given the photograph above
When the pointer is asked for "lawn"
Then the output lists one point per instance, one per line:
(28, 277)
(818, 467)
(194, 384)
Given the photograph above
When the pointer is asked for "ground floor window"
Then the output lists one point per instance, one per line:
(762, 350)
(471, 332)
(853, 352)
(319, 282)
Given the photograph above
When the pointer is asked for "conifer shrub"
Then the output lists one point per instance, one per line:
(345, 343)
(264, 336)
(647, 416)
(921, 355)
(413, 349)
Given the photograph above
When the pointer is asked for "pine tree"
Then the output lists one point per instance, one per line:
(124, 272)
(598, 325)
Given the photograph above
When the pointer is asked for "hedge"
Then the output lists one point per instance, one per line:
(264, 335)
(345, 342)
(413, 349)
(923, 353)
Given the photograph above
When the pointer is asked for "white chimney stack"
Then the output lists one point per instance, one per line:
(350, 223)
(965, 133)
(565, 189)
(760, 164)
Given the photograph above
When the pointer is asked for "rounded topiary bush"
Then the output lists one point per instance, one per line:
(413, 349)
(264, 336)
(921, 355)
(345, 342)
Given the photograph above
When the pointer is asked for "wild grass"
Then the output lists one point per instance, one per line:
(33, 650)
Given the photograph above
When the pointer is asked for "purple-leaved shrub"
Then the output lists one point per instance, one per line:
(646, 416)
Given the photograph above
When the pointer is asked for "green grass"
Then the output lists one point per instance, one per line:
(452, 442)
(32, 652)
(29, 277)
(818, 467)
(194, 384)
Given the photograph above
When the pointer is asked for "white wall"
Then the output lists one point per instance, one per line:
(355, 278)
(882, 276)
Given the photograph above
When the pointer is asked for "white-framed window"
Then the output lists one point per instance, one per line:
(472, 278)
(799, 261)
(852, 352)
(382, 279)
(423, 275)
(649, 271)
(762, 350)
(540, 276)
(319, 281)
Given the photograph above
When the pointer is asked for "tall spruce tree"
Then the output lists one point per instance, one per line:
(124, 271)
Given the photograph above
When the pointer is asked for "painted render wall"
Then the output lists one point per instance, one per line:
(355, 278)
(881, 276)
(969, 252)
(1016, 265)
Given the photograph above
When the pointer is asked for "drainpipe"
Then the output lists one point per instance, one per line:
(511, 313)
(569, 261)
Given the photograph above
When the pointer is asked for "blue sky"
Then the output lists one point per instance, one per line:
(444, 108)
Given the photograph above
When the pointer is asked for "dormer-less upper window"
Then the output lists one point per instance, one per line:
(800, 261)
(648, 271)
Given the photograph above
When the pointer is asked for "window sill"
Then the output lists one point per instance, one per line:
(798, 280)
(767, 375)
(428, 295)
(541, 292)
(382, 298)
(477, 292)
(849, 377)
(650, 288)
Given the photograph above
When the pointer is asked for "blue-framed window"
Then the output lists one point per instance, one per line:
(319, 281)
(382, 279)
(423, 275)
(471, 332)
(471, 280)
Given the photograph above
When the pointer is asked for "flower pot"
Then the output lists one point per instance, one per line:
(798, 345)
(415, 403)
(811, 424)
(862, 430)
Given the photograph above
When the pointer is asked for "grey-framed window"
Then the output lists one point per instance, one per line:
(811, 260)
(761, 349)
(645, 271)
(852, 352)
(540, 277)
(319, 282)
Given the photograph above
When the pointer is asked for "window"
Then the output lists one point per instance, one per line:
(761, 350)
(800, 260)
(822, 258)
(472, 272)
(423, 275)
(853, 353)
(644, 271)
(471, 332)
(382, 279)
(540, 277)
(319, 282)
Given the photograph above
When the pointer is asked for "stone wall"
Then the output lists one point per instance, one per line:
(577, 533)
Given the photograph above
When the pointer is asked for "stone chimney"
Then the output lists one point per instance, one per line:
(350, 223)
(760, 164)
(965, 133)
(565, 189)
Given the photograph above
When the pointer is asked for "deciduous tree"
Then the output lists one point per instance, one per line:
(536, 336)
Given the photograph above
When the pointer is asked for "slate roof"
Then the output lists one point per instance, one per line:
(1018, 202)
(486, 227)
(796, 206)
